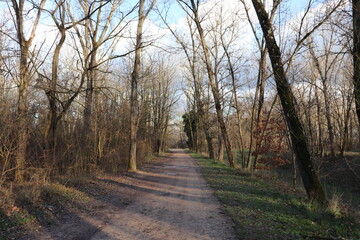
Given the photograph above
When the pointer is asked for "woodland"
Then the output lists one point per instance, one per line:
(89, 87)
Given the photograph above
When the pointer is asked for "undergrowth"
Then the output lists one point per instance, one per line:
(262, 210)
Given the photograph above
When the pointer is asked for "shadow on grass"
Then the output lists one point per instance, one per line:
(52, 209)
(262, 211)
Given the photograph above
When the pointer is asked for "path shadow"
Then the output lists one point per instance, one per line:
(165, 181)
(143, 210)
(157, 192)
(52, 218)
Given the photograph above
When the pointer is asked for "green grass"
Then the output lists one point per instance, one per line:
(261, 210)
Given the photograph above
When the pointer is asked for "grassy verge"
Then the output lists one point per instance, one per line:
(26, 206)
(262, 210)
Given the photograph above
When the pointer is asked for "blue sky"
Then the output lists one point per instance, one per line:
(175, 11)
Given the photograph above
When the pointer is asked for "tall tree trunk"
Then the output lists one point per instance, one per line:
(309, 175)
(220, 156)
(50, 131)
(351, 131)
(89, 65)
(318, 111)
(196, 133)
(24, 78)
(89, 130)
(22, 125)
(238, 116)
(89, 93)
(308, 116)
(356, 55)
(328, 118)
(259, 120)
(237, 107)
(347, 119)
(200, 104)
(259, 97)
(134, 104)
(213, 85)
(209, 143)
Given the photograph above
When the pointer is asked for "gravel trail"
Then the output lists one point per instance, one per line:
(168, 200)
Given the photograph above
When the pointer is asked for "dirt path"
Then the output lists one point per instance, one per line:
(168, 200)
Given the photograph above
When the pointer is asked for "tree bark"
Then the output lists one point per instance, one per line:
(24, 78)
(134, 104)
(22, 114)
(89, 94)
(318, 114)
(328, 119)
(356, 55)
(309, 176)
(220, 156)
(209, 144)
(53, 117)
(347, 119)
(50, 131)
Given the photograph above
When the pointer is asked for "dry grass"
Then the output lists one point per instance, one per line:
(25, 206)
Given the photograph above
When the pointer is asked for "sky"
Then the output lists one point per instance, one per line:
(155, 28)
(176, 13)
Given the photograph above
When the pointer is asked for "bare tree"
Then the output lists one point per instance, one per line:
(60, 14)
(98, 35)
(298, 137)
(356, 54)
(257, 108)
(191, 54)
(325, 66)
(162, 100)
(97, 32)
(135, 76)
(23, 80)
(56, 113)
(192, 9)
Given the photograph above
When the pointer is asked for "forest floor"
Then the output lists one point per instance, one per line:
(168, 199)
